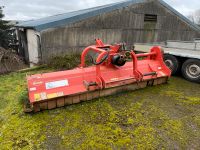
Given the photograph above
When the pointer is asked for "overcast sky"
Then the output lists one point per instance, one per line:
(34, 9)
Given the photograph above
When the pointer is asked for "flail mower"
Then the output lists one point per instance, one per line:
(115, 69)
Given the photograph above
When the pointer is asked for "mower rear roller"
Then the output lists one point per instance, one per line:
(74, 99)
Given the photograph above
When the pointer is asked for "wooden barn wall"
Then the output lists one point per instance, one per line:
(125, 24)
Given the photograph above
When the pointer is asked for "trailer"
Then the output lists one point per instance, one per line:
(180, 56)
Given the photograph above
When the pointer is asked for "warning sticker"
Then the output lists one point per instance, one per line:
(53, 95)
(37, 97)
(56, 84)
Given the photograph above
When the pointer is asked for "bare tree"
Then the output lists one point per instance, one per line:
(191, 17)
(195, 16)
(198, 16)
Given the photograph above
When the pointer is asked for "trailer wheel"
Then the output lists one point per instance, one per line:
(191, 70)
(172, 63)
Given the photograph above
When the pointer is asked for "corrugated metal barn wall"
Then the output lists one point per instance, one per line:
(125, 24)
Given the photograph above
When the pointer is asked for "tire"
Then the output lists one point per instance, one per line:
(172, 63)
(191, 70)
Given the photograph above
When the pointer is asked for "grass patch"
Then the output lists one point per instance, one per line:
(160, 117)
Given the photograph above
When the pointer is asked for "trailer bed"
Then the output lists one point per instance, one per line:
(188, 53)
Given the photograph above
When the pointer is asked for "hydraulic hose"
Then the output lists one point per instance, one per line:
(102, 60)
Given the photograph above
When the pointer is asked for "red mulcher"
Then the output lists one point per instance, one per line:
(110, 74)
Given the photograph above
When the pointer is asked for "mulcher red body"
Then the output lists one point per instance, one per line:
(115, 69)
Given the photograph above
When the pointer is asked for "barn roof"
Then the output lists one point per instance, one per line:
(71, 17)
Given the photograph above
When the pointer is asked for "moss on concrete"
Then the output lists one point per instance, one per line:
(165, 116)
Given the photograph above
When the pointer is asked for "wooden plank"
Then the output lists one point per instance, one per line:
(76, 99)
(83, 97)
(51, 104)
(60, 102)
(43, 105)
(95, 94)
(68, 100)
(36, 107)
(160, 81)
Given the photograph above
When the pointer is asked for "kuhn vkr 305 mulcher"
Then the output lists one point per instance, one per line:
(112, 73)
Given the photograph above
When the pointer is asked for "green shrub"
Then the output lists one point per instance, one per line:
(67, 62)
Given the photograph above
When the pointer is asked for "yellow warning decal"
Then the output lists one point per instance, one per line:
(52, 95)
(37, 97)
